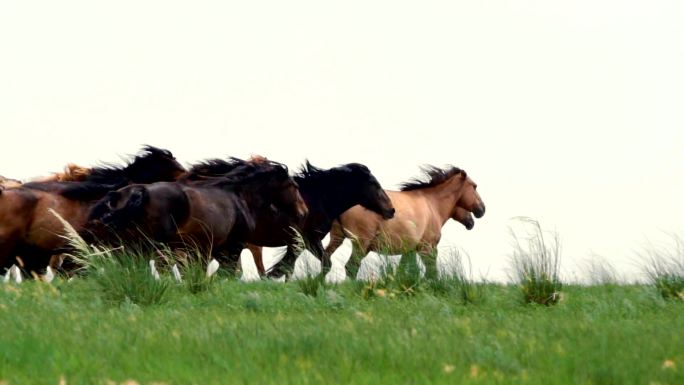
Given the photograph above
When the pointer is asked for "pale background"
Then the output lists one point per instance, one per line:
(568, 112)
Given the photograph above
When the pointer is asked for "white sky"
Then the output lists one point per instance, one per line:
(569, 112)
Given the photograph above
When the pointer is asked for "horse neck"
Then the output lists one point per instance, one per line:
(326, 193)
(443, 197)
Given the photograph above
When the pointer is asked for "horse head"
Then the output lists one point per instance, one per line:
(154, 165)
(464, 217)
(370, 194)
(469, 197)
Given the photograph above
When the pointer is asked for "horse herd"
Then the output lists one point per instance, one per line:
(223, 206)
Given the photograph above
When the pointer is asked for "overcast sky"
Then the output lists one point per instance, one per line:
(568, 112)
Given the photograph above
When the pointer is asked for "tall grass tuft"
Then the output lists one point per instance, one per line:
(122, 275)
(536, 263)
(454, 278)
(192, 264)
(403, 279)
(601, 272)
(665, 269)
(312, 285)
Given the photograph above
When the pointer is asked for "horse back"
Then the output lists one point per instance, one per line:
(212, 216)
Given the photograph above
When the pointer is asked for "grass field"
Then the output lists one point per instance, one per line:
(271, 333)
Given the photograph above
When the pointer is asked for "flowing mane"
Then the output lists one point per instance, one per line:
(151, 164)
(148, 162)
(219, 167)
(313, 174)
(246, 172)
(433, 176)
(213, 168)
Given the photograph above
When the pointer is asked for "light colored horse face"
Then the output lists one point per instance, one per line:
(464, 217)
(470, 198)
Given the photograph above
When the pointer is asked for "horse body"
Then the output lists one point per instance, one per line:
(327, 193)
(421, 212)
(215, 213)
(29, 230)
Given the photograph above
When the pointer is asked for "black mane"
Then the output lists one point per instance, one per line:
(246, 173)
(141, 169)
(214, 167)
(311, 174)
(151, 164)
(435, 176)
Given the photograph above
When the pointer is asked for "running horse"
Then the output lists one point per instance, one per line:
(29, 230)
(423, 207)
(71, 173)
(213, 208)
(327, 193)
(8, 183)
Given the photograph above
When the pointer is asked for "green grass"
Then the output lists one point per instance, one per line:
(268, 333)
(536, 263)
(399, 329)
(664, 268)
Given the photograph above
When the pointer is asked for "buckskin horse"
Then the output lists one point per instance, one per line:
(423, 207)
(327, 193)
(215, 213)
(29, 230)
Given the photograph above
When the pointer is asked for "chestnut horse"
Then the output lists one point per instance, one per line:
(327, 193)
(71, 173)
(29, 230)
(214, 213)
(422, 209)
(8, 183)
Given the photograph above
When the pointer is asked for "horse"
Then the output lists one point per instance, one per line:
(423, 207)
(214, 213)
(8, 183)
(327, 193)
(71, 173)
(28, 229)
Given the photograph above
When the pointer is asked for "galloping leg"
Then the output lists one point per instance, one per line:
(233, 259)
(7, 250)
(258, 258)
(428, 255)
(286, 265)
(359, 250)
(336, 239)
(316, 247)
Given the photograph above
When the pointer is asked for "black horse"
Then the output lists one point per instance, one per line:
(327, 193)
(213, 213)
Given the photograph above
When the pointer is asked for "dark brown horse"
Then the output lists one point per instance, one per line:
(327, 193)
(214, 213)
(422, 209)
(29, 230)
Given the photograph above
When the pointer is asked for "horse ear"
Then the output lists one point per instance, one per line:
(463, 174)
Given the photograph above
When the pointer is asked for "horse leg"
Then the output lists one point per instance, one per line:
(285, 265)
(316, 247)
(429, 257)
(258, 258)
(7, 249)
(336, 239)
(359, 250)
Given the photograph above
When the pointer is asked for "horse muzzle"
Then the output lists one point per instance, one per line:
(479, 212)
(388, 213)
